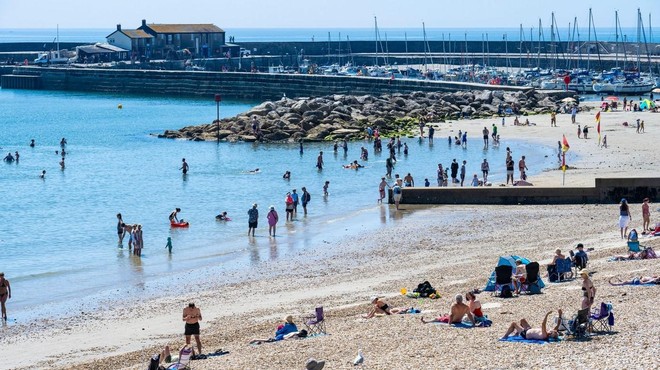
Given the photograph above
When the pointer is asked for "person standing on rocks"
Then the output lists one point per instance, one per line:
(319, 161)
(486, 135)
(463, 172)
(253, 218)
(454, 171)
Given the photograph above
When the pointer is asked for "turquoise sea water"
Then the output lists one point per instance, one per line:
(58, 240)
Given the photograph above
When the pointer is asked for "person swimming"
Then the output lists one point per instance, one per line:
(174, 215)
(222, 216)
(256, 170)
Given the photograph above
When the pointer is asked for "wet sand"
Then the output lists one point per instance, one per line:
(453, 247)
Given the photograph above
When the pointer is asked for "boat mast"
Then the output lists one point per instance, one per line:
(520, 47)
(339, 48)
(569, 47)
(616, 31)
(646, 44)
(329, 61)
(487, 49)
(506, 51)
(444, 52)
(589, 43)
(538, 54)
(376, 34)
(405, 35)
(639, 39)
(58, 40)
(350, 51)
(483, 50)
(553, 46)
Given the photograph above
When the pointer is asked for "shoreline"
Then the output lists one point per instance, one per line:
(454, 247)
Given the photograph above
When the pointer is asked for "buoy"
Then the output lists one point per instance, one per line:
(404, 291)
(120, 106)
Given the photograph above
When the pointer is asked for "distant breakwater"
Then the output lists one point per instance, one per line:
(239, 85)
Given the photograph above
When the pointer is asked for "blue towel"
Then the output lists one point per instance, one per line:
(519, 339)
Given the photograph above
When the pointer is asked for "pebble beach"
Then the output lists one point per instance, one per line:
(455, 248)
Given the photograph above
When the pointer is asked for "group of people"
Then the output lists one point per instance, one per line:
(291, 202)
(134, 232)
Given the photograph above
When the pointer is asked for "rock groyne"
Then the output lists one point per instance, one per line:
(348, 116)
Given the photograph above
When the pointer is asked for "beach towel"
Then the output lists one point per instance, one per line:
(460, 325)
(519, 339)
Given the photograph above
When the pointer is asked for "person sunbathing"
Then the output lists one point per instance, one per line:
(474, 305)
(293, 335)
(382, 308)
(458, 311)
(655, 279)
(527, 332)
(641, 255)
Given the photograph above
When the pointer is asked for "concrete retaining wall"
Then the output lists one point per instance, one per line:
(233, 84)
(605, 191)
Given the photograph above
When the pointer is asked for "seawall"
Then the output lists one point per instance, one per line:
(609, 190)
(233, 84)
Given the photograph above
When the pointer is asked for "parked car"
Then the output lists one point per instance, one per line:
(245, 52)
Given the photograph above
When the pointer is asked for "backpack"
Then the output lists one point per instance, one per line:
(505, 291)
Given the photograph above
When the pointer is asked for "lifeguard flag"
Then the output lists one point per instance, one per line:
(564, 144)
(598, 117)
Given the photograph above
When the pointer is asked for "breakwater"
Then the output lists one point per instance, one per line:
(238, 85)
(609, 190)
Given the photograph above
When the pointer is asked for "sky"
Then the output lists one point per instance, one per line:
(229, 14)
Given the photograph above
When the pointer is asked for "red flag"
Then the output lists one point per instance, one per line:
(564, 144)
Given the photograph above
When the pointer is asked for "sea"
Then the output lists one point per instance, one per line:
(47, 35)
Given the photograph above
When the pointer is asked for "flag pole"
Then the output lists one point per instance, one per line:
(563, 168)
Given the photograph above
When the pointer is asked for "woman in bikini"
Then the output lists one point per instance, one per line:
(5, 294)
(588, 289)
(474, 305)
(382, 308)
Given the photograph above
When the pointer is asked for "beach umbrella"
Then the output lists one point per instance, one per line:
(646, 104)
(568, 100)
(612, 98)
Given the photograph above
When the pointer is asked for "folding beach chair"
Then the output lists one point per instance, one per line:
(633, 246)
(580, 326)
(184, 359)
(502, 277)
(315, 323)
(531, 284)
(602, 319)
(564, 269)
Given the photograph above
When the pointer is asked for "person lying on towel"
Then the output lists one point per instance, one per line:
(527, 332)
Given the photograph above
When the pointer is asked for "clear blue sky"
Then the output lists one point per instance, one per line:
(319, 14)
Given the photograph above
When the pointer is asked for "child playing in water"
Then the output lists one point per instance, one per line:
(169, 244)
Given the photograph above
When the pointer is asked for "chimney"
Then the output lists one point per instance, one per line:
(144, 23)
(119, 27)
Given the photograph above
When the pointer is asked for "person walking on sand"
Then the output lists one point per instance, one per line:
(192, 316)
(272, 218)
(646, 215)
(485, 167)
(624, 218)
(5, 294)
(522, 167)
(319, 161)
(579, 132)
(306, 197)
(585, 131)
(604, 145)
(184, 166)
(553, 119)
(381, 189)
(253, 218)
(573, 114)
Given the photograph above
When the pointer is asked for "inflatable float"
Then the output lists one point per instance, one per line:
(180, 224)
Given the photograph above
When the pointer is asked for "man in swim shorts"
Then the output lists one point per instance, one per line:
(184, 166)
(253, 218)
(458, 311)
(527, 332)
(306, 197)
(192, 316)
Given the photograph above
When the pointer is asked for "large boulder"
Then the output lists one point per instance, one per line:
(300, 107)
(313, 115)
(319, 132)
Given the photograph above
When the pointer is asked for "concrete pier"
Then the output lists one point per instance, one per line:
(609, 190)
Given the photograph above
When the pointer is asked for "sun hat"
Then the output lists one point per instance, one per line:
(312, 364)
(272, 208)
(374, 298)
(584, 272)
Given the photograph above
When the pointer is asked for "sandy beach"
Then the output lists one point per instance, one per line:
(453, 247)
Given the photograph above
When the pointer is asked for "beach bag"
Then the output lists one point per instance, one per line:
(505, 291)
(534, 289)
(424, 289)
